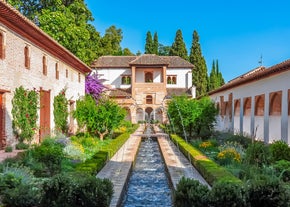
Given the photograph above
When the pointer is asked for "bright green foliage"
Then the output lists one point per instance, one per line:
(101, 118)
(199, 73)
(127, 52)
(60, 112)
(110, 42)
(282, 168)
(280, 150)
(196, 116)
(215, 78)
(190, 193)
(178, 47)
(24, 113)
(68, 25)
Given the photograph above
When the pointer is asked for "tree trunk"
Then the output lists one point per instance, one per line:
(102, 135)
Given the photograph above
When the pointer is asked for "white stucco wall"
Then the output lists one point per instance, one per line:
(183, 75)
(265, 86)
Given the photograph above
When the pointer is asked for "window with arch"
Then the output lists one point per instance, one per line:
(275, 103)
(171, 79)
(149, 99)
(148, 77)
(247, 106)
(2, 45)
(26, 57)
(259, 105)
(56, 71)
(44, 65)
(126, 80)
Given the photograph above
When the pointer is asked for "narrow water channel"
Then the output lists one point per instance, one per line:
(148, 184)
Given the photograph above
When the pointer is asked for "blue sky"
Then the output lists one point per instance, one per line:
(237, 33)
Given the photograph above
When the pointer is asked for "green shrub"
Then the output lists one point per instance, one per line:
(76, 190)
(18, 187)
(257, 154)
(280, 151)
(282, 168)
(190, 193)
(267, 193)
(226, 193)
(22, 146)
(8, 149)
(211, 171)
(245, 141)
(50, 154)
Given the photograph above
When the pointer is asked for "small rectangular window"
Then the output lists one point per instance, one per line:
(171, 79)
(2, 46)
(126, 80)
(26, 57)
(44, 65)
(56, 71)
(79, 78)
(66, 73)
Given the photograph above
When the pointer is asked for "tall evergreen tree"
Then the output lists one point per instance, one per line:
(215, 79)
(163, 50)
(199, 73)
(149, 43)
(155, 44)
(178, 47)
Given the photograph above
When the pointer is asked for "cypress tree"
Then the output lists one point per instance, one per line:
(199, 73)
(155, 44)
(149, 43)
(178, 47)
(215, 79)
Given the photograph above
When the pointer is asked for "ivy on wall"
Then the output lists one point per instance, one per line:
(60, 112)
(24, 113)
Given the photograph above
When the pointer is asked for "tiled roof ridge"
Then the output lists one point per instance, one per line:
(41, 32)
(263, 73)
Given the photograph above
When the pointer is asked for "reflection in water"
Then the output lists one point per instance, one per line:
(148, 185)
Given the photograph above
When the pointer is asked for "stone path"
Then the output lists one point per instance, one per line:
(118, 168)
(4, 155)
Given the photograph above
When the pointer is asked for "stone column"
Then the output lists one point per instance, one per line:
(241, 115)
(266, 118)
(284, 116)
(252, 116)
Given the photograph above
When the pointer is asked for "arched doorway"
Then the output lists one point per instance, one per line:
(139, 115)
(159, 115)
(128, 114)
(148, 114)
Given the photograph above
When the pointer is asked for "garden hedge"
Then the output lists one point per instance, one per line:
(98, 161)
(211, 171)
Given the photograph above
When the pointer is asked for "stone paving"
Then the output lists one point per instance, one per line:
(119, 167)
(4, 155)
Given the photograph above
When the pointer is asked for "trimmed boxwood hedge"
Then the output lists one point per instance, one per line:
(211, 171)
(98, 161)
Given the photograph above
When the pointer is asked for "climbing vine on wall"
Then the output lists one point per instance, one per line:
(60, 112)
(24, 113)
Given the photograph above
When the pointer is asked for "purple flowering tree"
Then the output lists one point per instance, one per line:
(94, 86)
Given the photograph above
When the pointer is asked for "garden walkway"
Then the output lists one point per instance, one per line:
(4, 155)
(118, 168)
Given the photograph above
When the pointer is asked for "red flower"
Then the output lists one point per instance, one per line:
(26, 115)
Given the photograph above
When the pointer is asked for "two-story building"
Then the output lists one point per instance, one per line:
(32, 59)
(141, 84)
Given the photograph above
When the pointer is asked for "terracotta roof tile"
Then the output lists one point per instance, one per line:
(118, 92)
(146, 59)
(178, 91)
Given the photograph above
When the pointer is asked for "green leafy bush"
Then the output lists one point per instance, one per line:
(280, 151)
(257, 154)
(267, 193)
(8, 149)
(190, 193)
(76, 190)
(24, 112)
(224, 193)
(211, 171)
(60, 112)
(282, 168)
(50, 154)
(22, 146)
